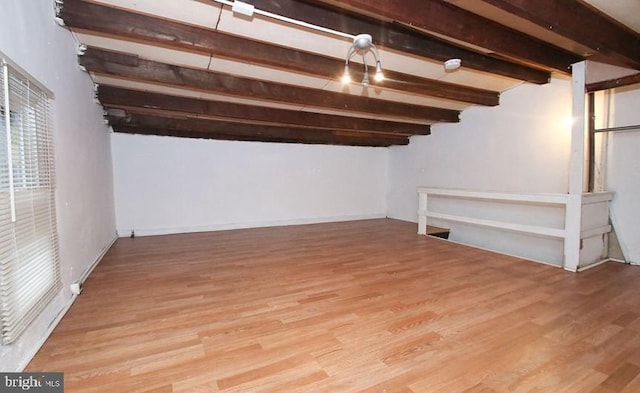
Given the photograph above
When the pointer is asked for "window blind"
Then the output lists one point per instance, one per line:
(29, 263)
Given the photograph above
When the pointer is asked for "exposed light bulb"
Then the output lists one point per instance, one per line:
(365, 79)
(379, 77)
(346, 78)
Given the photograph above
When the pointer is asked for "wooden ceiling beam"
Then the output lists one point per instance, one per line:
(121, 23)
(580, 23)
(613, 83)
(111, 96)
(336, 140)
(435, 16)
(396, 37)
(131, 66)
(212, 129)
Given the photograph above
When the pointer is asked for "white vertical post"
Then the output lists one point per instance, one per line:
(573, 212)
(422, 213)
(572, 225)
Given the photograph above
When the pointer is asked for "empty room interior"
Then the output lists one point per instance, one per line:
(321, 196)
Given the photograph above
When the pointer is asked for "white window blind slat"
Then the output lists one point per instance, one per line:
(29, 262)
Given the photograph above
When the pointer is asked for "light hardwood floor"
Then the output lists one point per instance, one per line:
(366, 306)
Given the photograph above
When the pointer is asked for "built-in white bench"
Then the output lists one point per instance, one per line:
(583, 228)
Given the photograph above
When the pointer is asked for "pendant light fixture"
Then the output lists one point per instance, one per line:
(363, 44)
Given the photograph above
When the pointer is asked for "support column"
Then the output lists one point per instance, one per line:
(573, 214)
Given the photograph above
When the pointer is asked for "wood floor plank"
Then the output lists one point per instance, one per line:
(363, 306)
(260, 372)
(621, 377)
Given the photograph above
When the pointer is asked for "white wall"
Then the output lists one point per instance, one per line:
(84, 190)
(171, 185)
(622, 168)
(523, 145)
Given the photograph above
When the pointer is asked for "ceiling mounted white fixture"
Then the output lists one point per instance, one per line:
(452, 64)
(243, 8)
(362, 45)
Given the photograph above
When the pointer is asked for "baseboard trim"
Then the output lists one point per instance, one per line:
(95, 263)
(600, 262)
(47, 333)
(126, 232)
